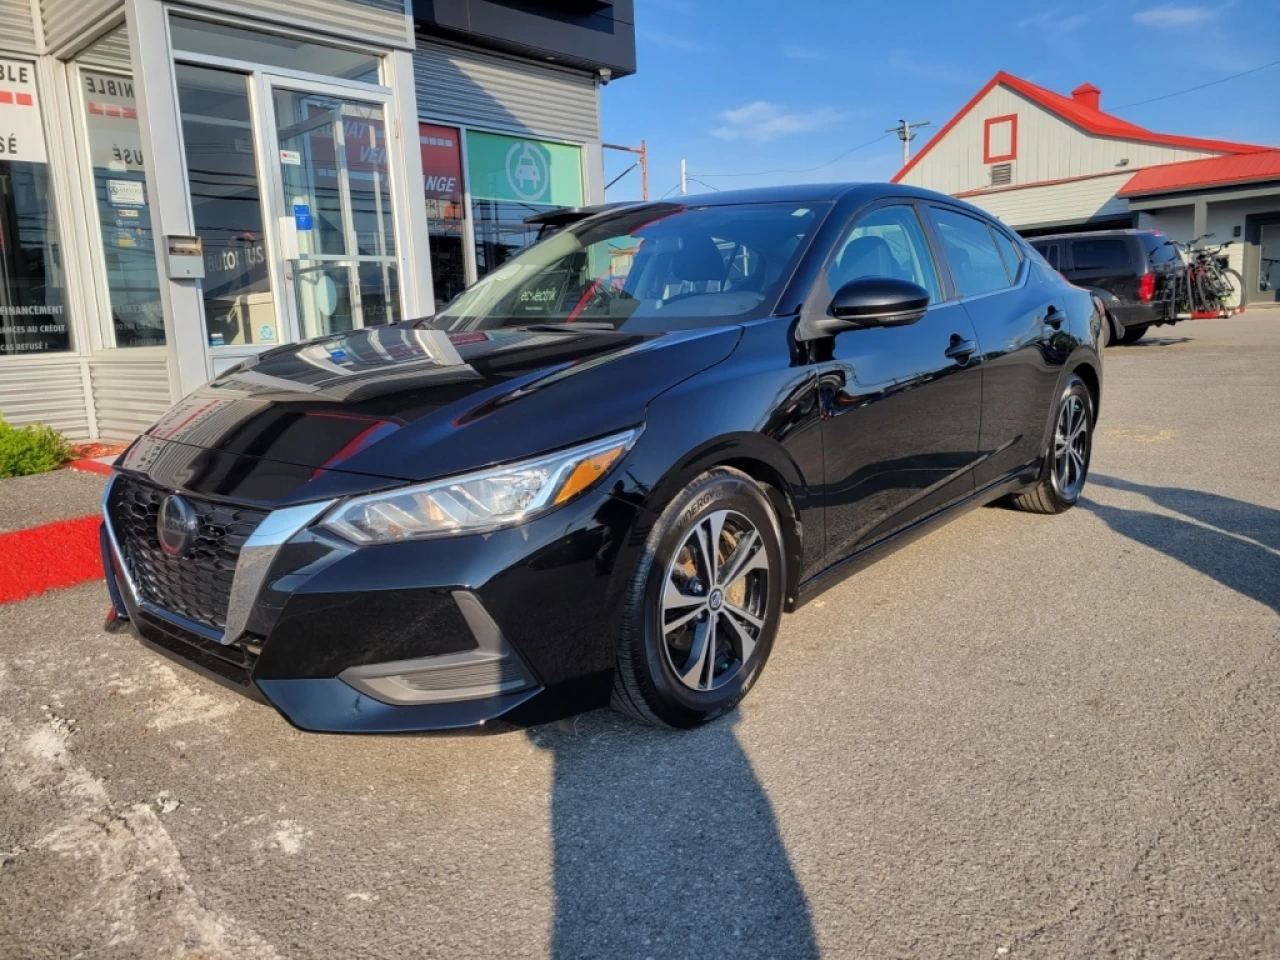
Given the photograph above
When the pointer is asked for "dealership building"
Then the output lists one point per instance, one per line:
(183, 185)
(1046, 162)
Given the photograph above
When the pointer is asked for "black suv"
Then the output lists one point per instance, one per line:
(1128, 270)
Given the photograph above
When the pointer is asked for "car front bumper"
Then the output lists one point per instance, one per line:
(511, 627)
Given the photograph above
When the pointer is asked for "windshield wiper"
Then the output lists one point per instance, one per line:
(570, 327)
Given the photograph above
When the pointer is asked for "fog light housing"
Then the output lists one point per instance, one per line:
(491, 669)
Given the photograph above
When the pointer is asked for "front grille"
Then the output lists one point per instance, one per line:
(233, 662)
(197, 585)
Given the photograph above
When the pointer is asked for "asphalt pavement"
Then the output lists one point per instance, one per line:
(1019, 737)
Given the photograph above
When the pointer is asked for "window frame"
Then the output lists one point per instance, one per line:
(987, 155)
(1017, 283)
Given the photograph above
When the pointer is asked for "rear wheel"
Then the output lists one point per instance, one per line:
(1066, 465)
(703, 606)
(1134, 334)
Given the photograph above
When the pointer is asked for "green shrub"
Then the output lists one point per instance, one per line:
(35, 448)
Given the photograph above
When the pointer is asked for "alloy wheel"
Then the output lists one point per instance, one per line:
(714, 600)
(1071, 447)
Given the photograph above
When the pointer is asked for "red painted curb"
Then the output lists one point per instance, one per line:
(50, 557)
(90, 466)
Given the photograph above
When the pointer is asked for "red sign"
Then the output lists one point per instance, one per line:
(441, 162)
(365, 139)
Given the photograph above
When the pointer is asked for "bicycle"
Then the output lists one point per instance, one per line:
(1205, 286)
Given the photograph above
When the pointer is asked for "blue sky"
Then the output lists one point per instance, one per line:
(745, 86)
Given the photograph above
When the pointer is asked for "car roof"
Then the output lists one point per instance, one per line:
(1127, 232)
(806, 193)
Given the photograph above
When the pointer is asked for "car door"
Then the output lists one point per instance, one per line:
(1017, 308)
(901, 405)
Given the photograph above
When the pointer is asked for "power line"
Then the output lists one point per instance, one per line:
(1211, 83)
(765, 173)
(707, 185)
(674, 188)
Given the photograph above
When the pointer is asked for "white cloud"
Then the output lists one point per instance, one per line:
(938, 72)
(1055, 20)
(795, 52)
(670, 40)
(763, 121)
(1172, 16)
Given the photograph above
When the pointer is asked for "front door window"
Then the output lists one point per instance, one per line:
(336, 185)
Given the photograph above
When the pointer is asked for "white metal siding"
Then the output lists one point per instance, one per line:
(110, 51)
(63, 20)
(504, 94)
(17, 34)
(1048, 148)
(1057, 203)
(379, 21)
(51, 393)
(128, 395)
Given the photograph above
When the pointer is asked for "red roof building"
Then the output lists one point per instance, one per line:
(1046, 162)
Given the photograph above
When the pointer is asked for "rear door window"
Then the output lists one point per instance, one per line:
(1103, 254)
(976, 265)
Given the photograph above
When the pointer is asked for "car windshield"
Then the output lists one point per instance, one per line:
(650, 269)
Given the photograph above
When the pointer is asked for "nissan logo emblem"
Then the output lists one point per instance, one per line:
(176, 525)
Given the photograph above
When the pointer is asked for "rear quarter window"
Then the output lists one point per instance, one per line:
(1048, 253)
(1101, 253)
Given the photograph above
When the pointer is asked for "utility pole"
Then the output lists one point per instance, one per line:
(905, 132)
(684, 178)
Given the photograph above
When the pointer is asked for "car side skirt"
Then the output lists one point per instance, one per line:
(838, 572)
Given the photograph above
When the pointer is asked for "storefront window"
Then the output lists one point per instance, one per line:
(121, 197)
(442, 176)
(511, 179)
(226, 202)
(33, 316)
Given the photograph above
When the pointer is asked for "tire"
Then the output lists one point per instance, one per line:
(1053, 493)
(1114, 330)
(664, 631)
(1134, 334)
(1235, 294)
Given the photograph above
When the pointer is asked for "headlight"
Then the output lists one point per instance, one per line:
(485, 500)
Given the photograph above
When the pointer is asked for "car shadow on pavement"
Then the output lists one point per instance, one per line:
(665, 845)
(1156, 342)
(1235, 542)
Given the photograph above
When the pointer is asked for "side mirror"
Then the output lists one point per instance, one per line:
(876, 302)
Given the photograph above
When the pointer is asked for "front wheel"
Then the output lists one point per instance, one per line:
(703, 605)
(1066, 465)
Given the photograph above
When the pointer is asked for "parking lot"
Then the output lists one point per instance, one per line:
(1018, 737)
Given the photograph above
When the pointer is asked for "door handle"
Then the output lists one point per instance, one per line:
(960, 349)
(1054, 317)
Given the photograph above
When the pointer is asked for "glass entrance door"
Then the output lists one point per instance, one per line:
(335, 207)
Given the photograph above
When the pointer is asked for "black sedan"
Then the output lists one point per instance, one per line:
(604, 472)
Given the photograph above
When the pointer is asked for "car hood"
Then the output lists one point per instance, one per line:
(408, 403)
